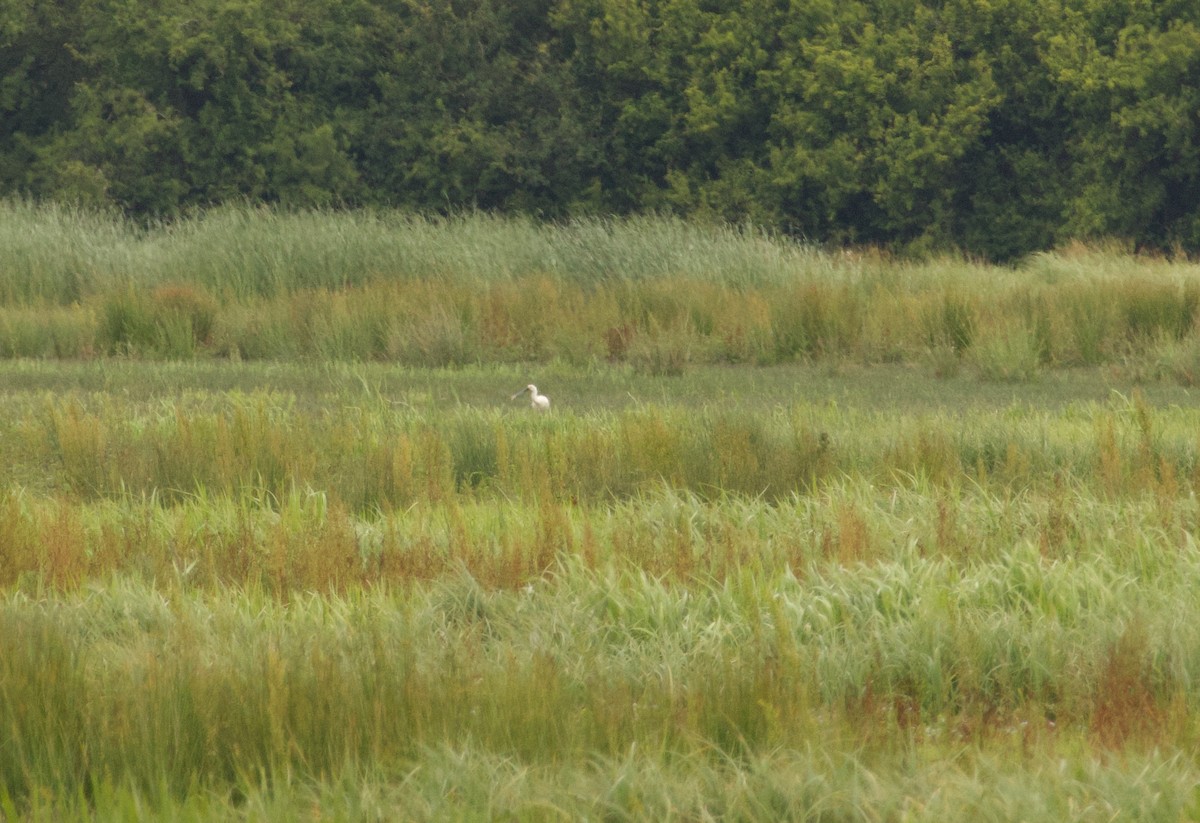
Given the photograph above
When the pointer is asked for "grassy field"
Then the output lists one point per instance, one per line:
(922, 567)
(654, 294)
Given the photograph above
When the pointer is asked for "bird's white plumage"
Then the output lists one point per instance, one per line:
(539, 402)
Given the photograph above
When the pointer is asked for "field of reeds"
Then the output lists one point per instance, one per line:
(805, 536)
(654, 294)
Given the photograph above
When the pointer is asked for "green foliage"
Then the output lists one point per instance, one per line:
(999, 129)
(658, 294)
(1135, 160)
(996, 638)
(740, 592)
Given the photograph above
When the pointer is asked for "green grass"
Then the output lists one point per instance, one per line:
(61, 254)
(806, 535)
(853, 686)
(271, 590)
(657, 294)
(378, 438)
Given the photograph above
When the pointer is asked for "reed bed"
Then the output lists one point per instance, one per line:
(337, 597)
(806, 535)
(176, 693)
(655, 293)
(377, 453)
(300, 543)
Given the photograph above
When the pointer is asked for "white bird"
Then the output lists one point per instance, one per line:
(539, 402)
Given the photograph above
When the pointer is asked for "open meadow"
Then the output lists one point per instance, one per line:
(806, 535)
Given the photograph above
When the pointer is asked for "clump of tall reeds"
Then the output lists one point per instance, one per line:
(366, 453)
(657, 293)
(198, 692)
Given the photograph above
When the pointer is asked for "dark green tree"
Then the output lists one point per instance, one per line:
(38, 72)
(474, 110)
(1130, 71)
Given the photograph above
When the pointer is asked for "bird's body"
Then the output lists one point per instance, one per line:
(538, 402)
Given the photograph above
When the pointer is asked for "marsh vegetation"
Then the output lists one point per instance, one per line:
(805, 536)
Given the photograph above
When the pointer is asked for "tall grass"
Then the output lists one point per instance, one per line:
(300, 541)
(195, 620)
(450, 785)
(59, 254)
(658, 293)
(187, 693)
(370, 453)
(942, 569)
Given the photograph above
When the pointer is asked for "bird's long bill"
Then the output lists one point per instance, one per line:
(521, 392)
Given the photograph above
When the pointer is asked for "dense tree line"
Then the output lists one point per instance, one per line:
(995, 126)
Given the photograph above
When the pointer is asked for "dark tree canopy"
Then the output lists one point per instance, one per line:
(997, 127)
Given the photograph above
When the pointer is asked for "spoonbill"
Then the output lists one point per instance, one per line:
(538, 402)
